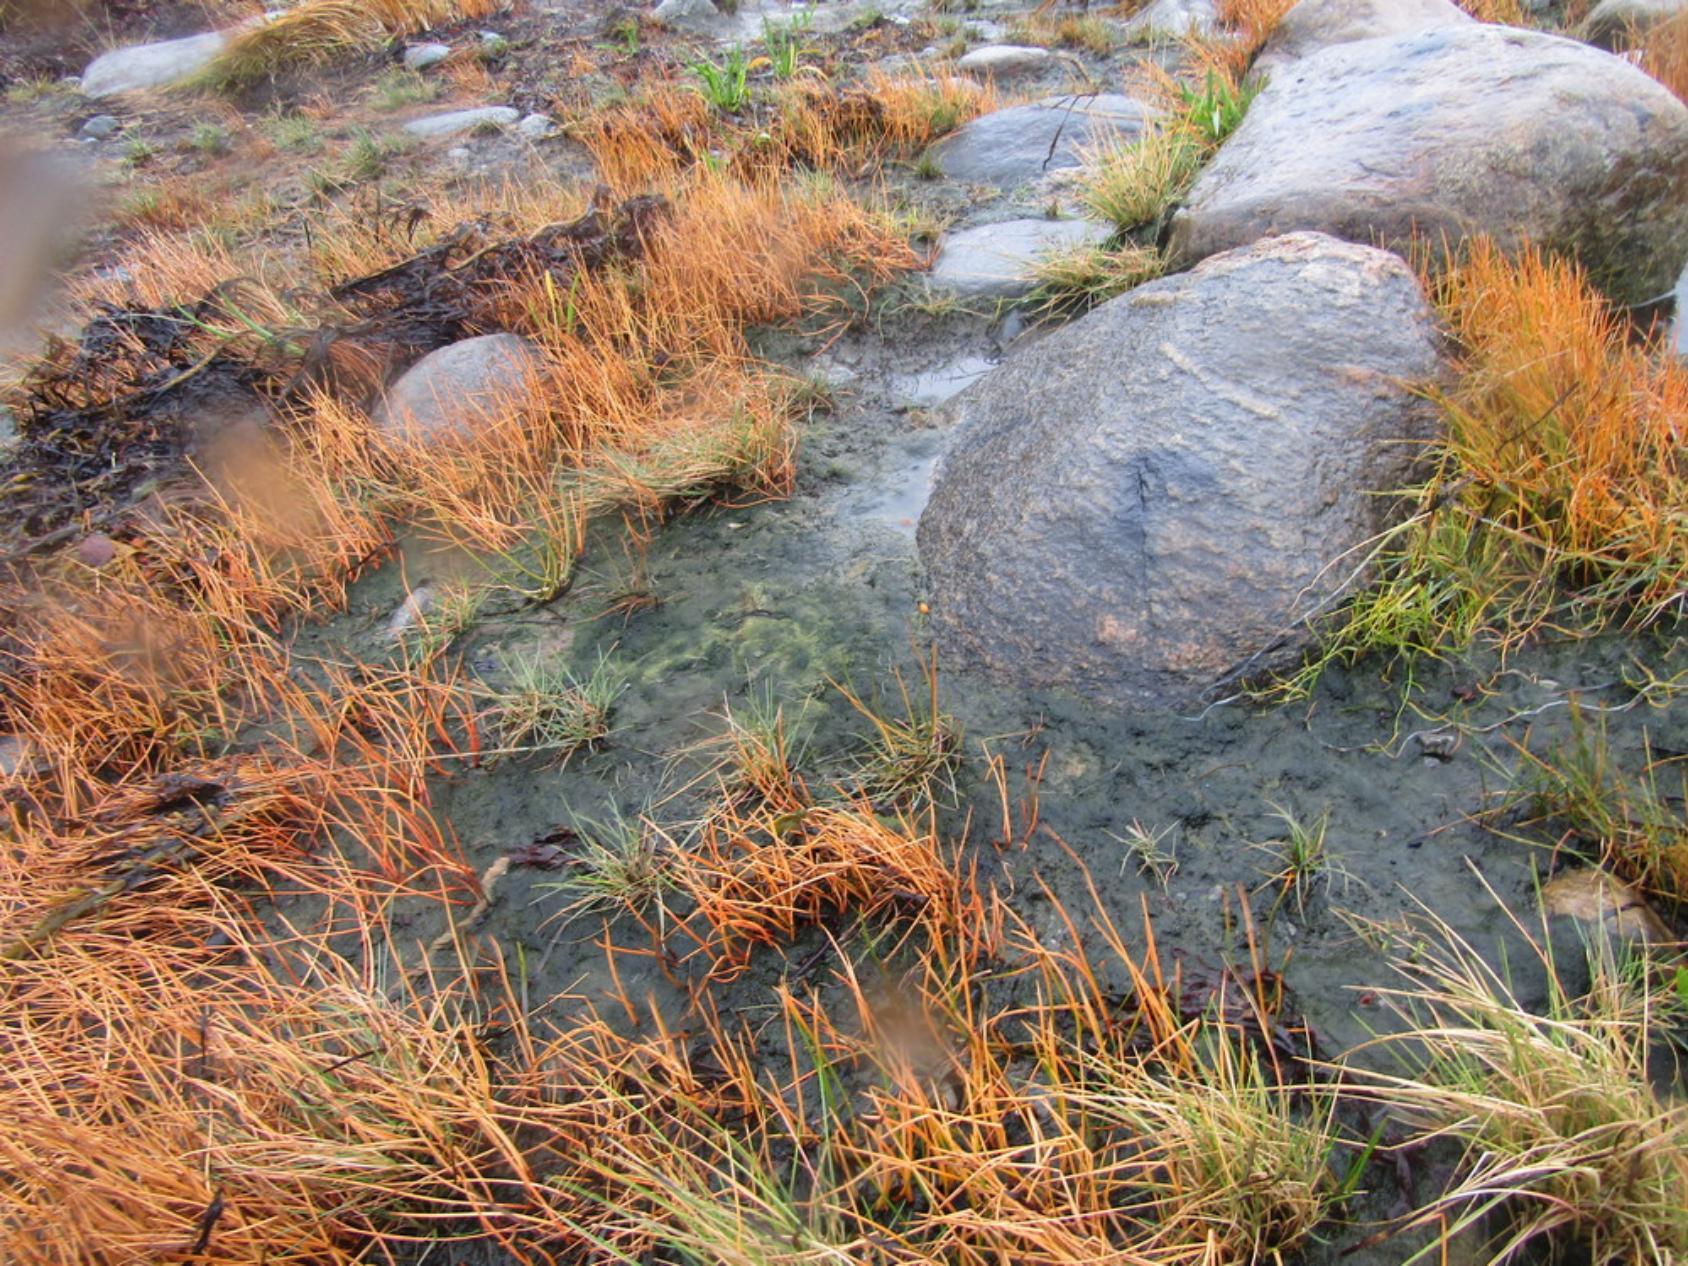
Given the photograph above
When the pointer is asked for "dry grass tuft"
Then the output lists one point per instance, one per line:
(1564, 1134)
(1499, 12)
(317, 32)
(1251, 23)
(1557, 499)
(1664, 53)
(1568, 436)
(759, 874)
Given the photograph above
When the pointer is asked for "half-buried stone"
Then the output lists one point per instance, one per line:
(999, 261)
(434, 127)
(144, 66)
(1009, 148)
(1453, 132)
(1001, 61)
(452, 391)
(1149, 504)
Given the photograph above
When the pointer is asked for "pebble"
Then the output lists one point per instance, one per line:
(1003, 60)
(536, 127)
(96, 550)
(422, 56)
(101, 126)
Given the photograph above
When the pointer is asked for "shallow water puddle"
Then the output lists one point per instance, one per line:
(932, 387)
(899, 500)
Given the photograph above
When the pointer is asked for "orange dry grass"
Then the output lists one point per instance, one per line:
(1568, 436)
(651, 399)
(888, 115)
(758, 875)
(250, 1104)
(1664, 53)
(650, 141)
(1501, 12)
(315, 32)
(1253, 22)
(184, 1079)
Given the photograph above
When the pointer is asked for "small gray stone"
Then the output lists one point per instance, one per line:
(17, 758)
(1001, 61)
(1152, 499)
(435, 127)
(1008, 148)
(418, 604)
(1314, 24)
(422, 56)
(449, 391)
(101, 126)
(998, 261)
(151, 65)
(536, 127)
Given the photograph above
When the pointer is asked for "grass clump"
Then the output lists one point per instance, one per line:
(1250, 23)
(618, 866)
(1084, 33)
(1664, 53)
(399, 88)
(911, 756)
(1301, 860)
(320, 32)
(1625, 821)
(1213, 111)
(1238, 1165)
(1556, 499)
(724, 84)
(782, 43)
(1136, 184)
(1072, 282)
(1564, 1135)
(296, 133)
(549, 709)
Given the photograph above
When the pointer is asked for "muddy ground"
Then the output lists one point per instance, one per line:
(790, 601)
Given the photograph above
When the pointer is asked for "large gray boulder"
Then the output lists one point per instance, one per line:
(1611, 23)
(1008, 148)
(1314, 24)
(999, 261)
(151, 65)
(449, 392)
(1151, 501)
(1454, 132)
